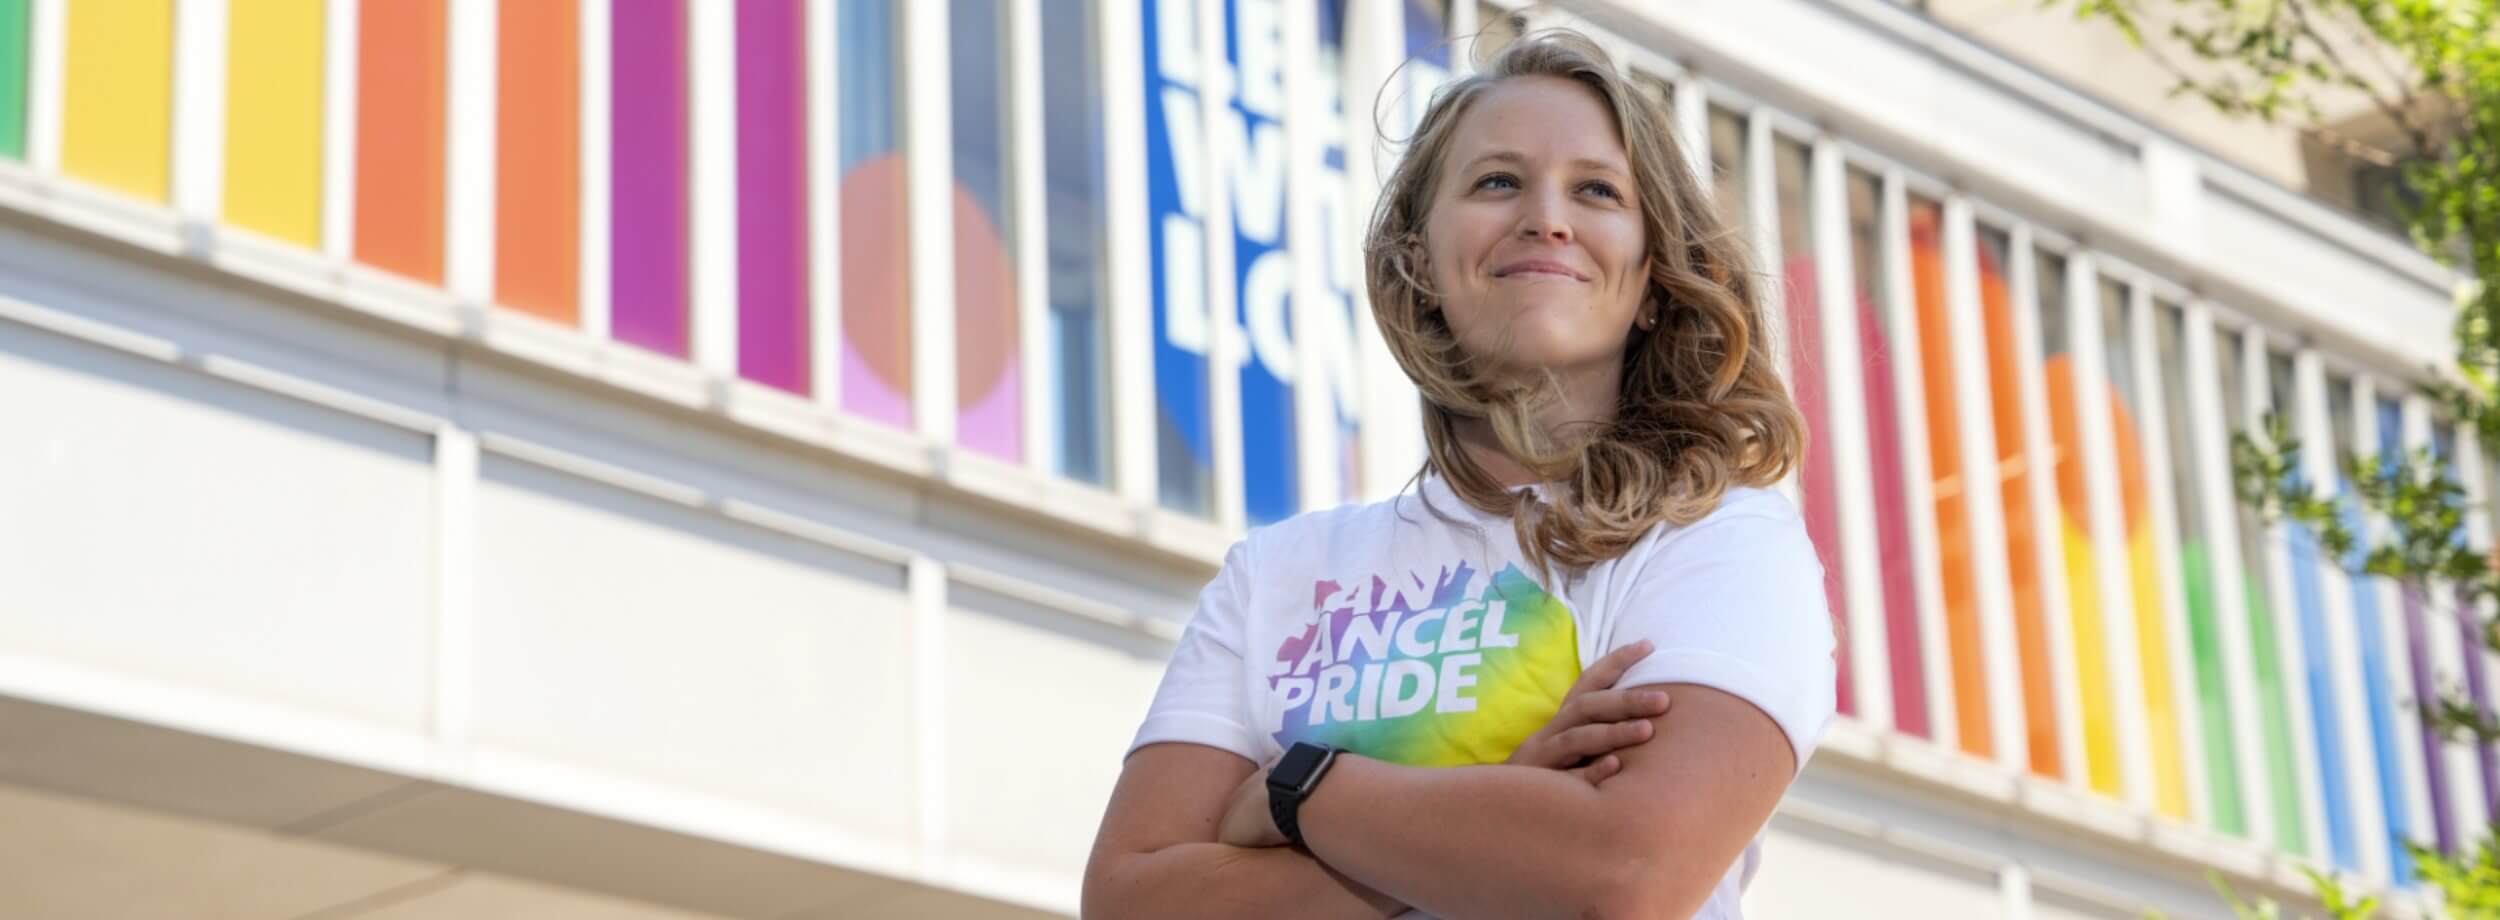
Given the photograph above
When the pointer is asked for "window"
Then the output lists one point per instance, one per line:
(1728, 169)
(988, 384)
(13, 59)
(1072, 183)
(2264, 608)
(2151, 608)
(1176, 235)
(2196, 566)
(1426, 27)
(2309, 598)
(1340, 245)
(1949, 482)
(1496, 29)
(1888, 464)
(2419, 646)
(772, 195)
(2382, 194)
(1791, 165)
(876, 309)
(2015, 467)
(2377, 680)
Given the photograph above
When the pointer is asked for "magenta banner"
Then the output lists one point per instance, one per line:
(772, 195)
(648, 174)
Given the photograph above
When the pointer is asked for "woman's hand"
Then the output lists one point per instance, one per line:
(1246, 821)
(1595, 721)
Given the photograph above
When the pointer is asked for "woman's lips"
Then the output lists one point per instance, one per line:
(1537, 268)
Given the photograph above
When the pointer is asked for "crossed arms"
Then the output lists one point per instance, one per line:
(1650, 838)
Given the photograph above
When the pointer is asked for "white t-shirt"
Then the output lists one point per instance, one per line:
(1440, 648)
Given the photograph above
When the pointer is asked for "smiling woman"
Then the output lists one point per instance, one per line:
(1390, 710)
(1540, 261)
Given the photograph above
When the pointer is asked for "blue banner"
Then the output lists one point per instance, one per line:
(1176, 230)
(1252, 133)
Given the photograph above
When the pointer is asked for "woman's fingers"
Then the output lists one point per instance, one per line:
(1597, 739)
(1565, 743)
(1595, 718)
(1602, 674)
(1598, 770)
(1612, 706)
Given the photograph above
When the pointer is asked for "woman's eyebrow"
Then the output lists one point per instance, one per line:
(1508, 156)
(1519, 159)
(1596, 165)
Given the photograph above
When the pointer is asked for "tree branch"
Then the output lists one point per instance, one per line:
(2399, 110)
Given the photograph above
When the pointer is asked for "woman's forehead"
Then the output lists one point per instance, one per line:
(1539, 119)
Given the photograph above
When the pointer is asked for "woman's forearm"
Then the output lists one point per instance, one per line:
(1215, 880)
(1482, 841)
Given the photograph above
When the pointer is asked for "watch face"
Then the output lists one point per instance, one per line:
(1294, 771)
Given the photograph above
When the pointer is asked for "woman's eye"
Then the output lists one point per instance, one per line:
(1497, 181)
(1602, 188)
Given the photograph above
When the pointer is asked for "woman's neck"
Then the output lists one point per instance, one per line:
(1586, 402)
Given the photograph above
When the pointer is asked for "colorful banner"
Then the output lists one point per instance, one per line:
(2478, 687)
(1426, 26)
(1801, 303)
(1886, 465)
(2478, 654)
(2274, 704)
(876, 306)
(2015, 467)
(2309, 598)
(118, 94)
(1944, 457)
(400, 50)
(2135, 502)
(2378, 684)
(1340, 249)
(538, 163)
(648, 250)
(989, 390)
(15, 17)
(274, 57)
(2196, 572)
(2072, 523)
(1072, 162)
(772, 194)
(1176, 217)
(1251, 133)
(2417, 646)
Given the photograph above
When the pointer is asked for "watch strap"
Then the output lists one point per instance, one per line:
(1284, 801)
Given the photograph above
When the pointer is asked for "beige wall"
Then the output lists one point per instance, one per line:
(2094, 57)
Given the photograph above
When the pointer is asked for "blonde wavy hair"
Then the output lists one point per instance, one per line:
(1701, 407)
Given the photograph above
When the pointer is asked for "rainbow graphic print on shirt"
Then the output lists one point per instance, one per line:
(1448, 669)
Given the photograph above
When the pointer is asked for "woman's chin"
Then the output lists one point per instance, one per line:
(1545, 333)
(1559, 348)
(1527, 360)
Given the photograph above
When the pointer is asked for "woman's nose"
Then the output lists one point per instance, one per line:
(1543, 219)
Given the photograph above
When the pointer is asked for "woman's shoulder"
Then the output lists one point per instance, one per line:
(1745, 514)
(1741, 503)
(1319, 525)
(1751, 501)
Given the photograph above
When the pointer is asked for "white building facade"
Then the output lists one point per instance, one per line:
(688, 458)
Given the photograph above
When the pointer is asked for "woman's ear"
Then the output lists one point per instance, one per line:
(1419, 261)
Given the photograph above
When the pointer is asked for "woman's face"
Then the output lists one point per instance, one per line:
(1534, 236)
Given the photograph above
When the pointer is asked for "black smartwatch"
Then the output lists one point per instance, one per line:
(1291, 780)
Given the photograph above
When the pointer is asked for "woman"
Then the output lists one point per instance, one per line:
(1456, 703)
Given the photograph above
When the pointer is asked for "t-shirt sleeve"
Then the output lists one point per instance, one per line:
(1202, 699)
(1735, 602)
